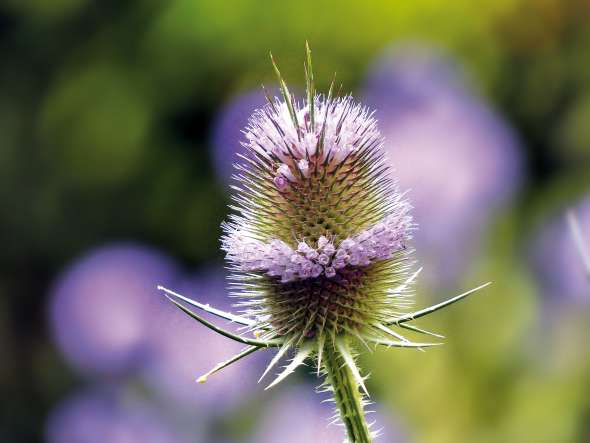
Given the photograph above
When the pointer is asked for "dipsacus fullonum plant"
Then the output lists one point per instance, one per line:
(318, 246)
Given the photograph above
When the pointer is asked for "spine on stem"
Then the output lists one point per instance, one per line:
(347, 395)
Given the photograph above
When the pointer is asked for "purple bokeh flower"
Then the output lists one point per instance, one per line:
(106, 414)
(459, 159)
(556, 261)
(181, 351)
(100, 307)
(297, 415)
(299, 410)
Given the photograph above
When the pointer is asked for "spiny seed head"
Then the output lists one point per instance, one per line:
(318, 242)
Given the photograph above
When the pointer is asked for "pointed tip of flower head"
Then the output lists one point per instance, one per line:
(202, 379)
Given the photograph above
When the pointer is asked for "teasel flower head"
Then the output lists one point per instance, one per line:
(318, 244)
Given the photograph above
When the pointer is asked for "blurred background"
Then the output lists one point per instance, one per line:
(119, 122)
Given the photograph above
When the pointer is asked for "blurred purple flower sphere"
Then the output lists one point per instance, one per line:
(106, 415)
(460, 161)
(556, 261)
(102, 305)
(297, 414)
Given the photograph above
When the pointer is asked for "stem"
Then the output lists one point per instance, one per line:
(347, 396)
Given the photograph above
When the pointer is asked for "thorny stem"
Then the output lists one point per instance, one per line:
(346, 395)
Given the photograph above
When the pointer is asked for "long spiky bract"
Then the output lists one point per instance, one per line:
(318, 246)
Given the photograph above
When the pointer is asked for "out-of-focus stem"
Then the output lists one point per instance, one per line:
(579, 240)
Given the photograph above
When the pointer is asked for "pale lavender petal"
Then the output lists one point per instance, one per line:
(348, 127)
(277, 259)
